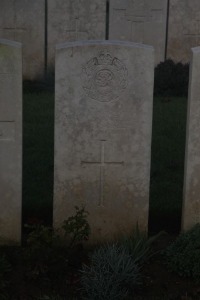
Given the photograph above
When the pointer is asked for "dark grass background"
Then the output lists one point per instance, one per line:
(38, 151)
(167, 164)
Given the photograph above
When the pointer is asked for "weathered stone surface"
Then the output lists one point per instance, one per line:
(70, 20)
(140, 21)
(191, 204)
(24, 21)
(103, 115)
(184, 29)
(10, 141)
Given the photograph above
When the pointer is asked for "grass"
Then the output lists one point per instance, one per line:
(167, 163)
(168, 145)
(38, 144)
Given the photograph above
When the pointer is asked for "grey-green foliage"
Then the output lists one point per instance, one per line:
(55, 297)
(111, 273)
(45, 297)
(5, 268)
(139, 245)
(183, 256)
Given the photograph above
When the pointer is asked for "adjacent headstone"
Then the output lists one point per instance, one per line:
(191, 205)
(184, 29)
(24, 21)
(103, 116)
(71, 20)
(10, 141)
(140, 21)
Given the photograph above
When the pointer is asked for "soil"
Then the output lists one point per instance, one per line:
(157, 282)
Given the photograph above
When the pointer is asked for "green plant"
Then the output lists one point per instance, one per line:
(183, 255)
(43, 254)
(77, 227)
(5, 269)
(139, 245)
(110, 275)
(39, 236)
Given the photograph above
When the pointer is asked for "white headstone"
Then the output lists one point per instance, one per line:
(191, 205)
(140, 21)
(10, 141)
(184, 29)
(103, 116)
(71, 20)
(24, 21)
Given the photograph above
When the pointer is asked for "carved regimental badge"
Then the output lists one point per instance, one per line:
(104, 77)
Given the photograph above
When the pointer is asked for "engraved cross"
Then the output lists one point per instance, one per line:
(15, 29)
(76, 33)
(102, 164)
(137, 22)
(156, 15)
(196, 34)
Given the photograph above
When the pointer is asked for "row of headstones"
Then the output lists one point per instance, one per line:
(103, 116)
(170, 26)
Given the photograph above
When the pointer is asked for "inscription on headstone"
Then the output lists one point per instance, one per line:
(103, 134)
(14, 32)
(184, 29)
(24, 21)
(10, 141)
(72, 20)
(140, 22)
